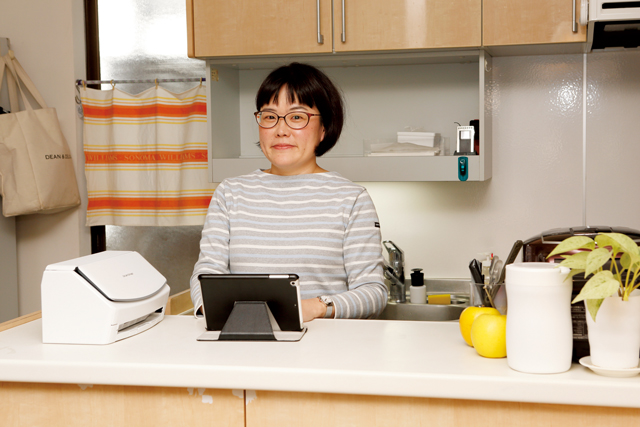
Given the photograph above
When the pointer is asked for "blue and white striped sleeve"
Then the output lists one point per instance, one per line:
(214, 245)
(363, 262)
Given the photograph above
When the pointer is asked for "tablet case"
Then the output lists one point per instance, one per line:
(251, 307)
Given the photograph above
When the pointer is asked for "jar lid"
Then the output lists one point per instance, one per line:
(536, 274)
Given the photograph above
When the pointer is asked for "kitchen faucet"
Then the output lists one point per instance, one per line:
(394, 271)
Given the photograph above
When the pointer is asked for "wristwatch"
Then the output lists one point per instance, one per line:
(329, 303)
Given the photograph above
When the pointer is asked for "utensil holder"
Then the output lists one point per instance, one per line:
(479, 296)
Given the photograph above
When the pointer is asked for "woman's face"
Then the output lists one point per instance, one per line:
(291, 151)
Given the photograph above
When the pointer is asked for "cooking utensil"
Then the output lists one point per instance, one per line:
(494, 285)
(476, 276)
(515, 250)
(477, 284)
(496, 270)
(478, 267)
(494, 274)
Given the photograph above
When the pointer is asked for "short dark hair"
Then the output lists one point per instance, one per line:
(311, 87)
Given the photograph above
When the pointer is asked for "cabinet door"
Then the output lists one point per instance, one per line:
(257, 27)
(512, 22)
(406, 24)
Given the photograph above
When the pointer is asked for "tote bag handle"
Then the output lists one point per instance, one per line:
(11, 86)
(16, 75)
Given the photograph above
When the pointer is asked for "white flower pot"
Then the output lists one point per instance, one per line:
(614, 338)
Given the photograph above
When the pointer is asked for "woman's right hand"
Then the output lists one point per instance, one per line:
(312, 308)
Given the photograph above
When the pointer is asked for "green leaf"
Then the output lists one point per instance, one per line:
(596, 259)
(604, 240)
(625, 261)
(593, 305)
(578, 261)
(573, 243)
(625, 242)
(573, 272)
(601, 285)
(629, 261)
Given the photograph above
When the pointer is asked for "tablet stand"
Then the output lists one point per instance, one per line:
(251, 321)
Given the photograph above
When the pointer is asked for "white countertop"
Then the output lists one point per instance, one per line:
(393, 358)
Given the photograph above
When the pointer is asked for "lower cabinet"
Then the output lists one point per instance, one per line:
(71, 405)
(80, 405)
(271, 409)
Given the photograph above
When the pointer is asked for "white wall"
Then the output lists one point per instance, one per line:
(47, 37)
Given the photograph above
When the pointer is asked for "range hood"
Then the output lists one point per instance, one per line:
(611, 24)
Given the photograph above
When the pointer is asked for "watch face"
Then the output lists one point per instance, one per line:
(326, 300)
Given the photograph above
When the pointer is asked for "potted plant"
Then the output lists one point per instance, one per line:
(613, 262)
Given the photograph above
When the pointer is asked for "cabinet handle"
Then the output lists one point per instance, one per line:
(344, 28)
(320, 36)
(574, 22)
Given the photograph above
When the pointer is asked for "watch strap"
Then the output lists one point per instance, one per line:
(328, 302)
(329, 312)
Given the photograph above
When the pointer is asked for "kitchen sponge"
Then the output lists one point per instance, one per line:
(442, 299)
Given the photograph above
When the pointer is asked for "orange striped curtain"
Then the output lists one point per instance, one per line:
(146, 157)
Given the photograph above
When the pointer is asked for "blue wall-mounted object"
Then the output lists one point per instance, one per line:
(463, 168)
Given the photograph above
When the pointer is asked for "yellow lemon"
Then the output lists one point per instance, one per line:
(467, 317)
(489, 335)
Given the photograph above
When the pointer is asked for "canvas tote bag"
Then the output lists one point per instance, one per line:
(36, 170)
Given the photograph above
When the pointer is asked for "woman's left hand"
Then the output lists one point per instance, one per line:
(312, 308)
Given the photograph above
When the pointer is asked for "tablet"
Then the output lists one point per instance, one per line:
(280, 292)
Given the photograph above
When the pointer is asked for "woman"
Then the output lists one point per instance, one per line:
(296, 217)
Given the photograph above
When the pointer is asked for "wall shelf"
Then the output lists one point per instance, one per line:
(369, 169)
(384, 93)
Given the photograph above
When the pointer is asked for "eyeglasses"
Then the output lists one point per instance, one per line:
(296, 120)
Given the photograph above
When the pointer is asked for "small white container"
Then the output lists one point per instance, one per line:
(417, 290)
(539, 327)
(418, 294)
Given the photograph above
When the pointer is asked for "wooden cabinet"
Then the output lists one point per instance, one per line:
(523, 22)
(274, 408)
(256, 27)
(80, 405)
(218, 28)
(366, 25)
(221, 28)
(76, 405)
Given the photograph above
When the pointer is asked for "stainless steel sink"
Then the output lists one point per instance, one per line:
(457, 288)
(424, 312)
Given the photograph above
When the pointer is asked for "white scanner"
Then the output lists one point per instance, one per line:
(101, 298)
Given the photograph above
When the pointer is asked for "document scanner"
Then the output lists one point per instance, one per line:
(101, 298)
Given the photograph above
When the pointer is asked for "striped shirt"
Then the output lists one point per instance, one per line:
(322, 227)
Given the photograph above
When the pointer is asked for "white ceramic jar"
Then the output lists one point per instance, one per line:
(539, 327)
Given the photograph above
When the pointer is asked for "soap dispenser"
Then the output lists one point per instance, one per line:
(417, 291)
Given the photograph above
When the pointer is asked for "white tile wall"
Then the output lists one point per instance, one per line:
(538, 169)
(613, 138)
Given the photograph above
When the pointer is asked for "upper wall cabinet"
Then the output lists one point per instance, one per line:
(366, 25)
(219, 28)
(525, 22)
(256, 27)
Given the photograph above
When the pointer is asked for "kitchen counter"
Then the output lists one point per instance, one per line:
(358, 357)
